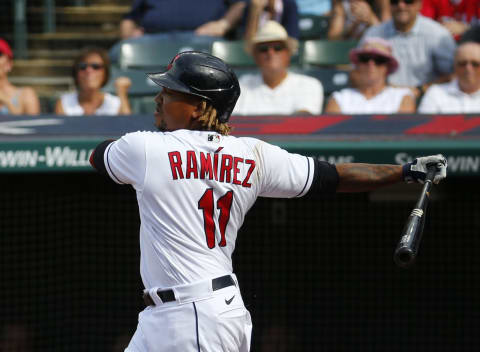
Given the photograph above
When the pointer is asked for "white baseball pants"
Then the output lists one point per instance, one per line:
(211, 321)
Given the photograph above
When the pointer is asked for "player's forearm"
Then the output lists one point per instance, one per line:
(125, 108)
(127, 28)
(252, 23)
(234, 14)
(357, 177)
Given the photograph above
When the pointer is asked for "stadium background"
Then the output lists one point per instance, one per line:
(317, 274)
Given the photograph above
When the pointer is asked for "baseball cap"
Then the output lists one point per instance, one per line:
(5, 48)
(376, 46)
(272, 31)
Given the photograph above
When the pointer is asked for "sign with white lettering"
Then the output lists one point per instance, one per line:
(63, 143)
(463, 157)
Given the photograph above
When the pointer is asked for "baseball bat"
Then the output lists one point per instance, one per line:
(412, 232)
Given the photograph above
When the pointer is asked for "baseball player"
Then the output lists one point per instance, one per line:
(194, 185)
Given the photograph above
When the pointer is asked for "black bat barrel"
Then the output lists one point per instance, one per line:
(412, 232)
(411, 237)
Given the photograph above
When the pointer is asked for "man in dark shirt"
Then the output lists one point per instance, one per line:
(210, 18)
(197, 23)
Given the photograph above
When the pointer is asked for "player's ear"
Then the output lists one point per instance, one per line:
(199, 109)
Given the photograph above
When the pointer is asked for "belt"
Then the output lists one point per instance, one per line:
(169, 296)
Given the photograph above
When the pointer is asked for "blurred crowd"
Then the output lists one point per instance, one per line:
(412, 56)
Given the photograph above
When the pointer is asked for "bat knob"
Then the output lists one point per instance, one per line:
(404, 257)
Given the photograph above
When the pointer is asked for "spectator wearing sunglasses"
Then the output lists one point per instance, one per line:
(373, 62)
(91, 71)
(276, 90)
(424, 47)
(462, 95)
(14, 100)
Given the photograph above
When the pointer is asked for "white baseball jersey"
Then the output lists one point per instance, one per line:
(194, 189)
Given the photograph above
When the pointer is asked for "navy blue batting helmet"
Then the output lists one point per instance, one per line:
(203, 75)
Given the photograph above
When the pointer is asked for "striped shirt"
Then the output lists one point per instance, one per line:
(424, 53)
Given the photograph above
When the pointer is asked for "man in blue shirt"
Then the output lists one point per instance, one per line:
(424, 48)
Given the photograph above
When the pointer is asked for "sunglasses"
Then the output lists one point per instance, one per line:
(83, 66)
(263, 48)
(464, 63)
(378, 60)
(407, 2)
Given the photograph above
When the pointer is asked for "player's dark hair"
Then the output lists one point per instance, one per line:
(83, 55)
(209, 121)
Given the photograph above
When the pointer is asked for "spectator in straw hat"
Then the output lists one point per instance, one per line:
(276, 90)
(373, 62)
(14, 100)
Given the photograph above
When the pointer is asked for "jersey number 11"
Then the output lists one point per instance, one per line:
(224, 203)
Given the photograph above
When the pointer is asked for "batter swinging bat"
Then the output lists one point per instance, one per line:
(407, 248)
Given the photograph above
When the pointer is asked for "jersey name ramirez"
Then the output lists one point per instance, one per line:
(221, 167)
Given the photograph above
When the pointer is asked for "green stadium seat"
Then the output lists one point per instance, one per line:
(332, 79)
(142, 105)
(155, 57)
(141, 85)
(233, 53)
(326, 52)
(47, 103)
(313, 26)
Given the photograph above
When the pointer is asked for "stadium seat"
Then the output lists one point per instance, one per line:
(143, 104)
(233, 53)
(332, 79)
(313, 26)
(326, 52)
(47, 103)
(155, 57)
(141, 85)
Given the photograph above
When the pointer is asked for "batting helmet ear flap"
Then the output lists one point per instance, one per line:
(203, 75)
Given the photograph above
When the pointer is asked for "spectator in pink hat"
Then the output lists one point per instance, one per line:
(14, 100)
(373, 62)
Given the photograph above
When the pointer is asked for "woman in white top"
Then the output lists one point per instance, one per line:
(91, 70)
(373, 63)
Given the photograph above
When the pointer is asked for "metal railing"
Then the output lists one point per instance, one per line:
(20, 30)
